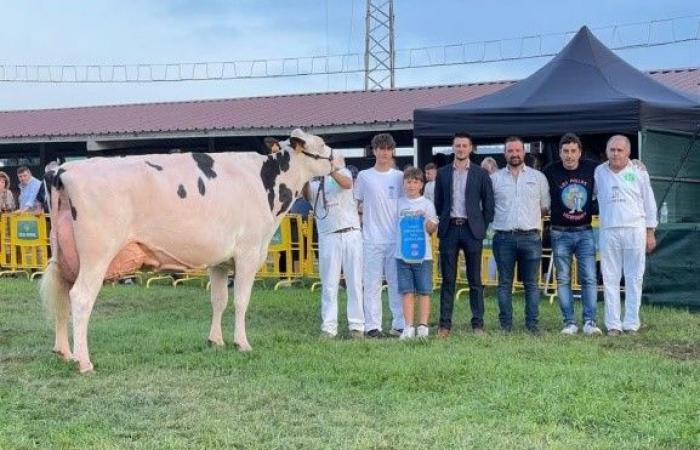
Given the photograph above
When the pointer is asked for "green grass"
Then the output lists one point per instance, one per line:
(158, 385)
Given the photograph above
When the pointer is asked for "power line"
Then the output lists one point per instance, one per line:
(650, 34)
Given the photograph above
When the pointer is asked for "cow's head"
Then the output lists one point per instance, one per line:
(321, 159)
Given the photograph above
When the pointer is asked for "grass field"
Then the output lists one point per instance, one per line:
(158, 385)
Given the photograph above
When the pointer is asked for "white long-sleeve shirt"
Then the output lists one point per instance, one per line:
(625, 199)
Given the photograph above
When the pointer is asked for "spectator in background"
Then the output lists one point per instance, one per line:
(7, 200)
(491, 166)
(429, 189)
(379, 189)
(28, 189)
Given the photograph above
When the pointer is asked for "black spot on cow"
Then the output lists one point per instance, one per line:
(200, 186)
(273, 166)
(73, 211)
(268, 173)
(155, 166)
(181, 192)
(285, 198)
(283, 159)
(48, 180)
(56, 180)
(205, 164)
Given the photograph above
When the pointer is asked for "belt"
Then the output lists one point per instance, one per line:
(571, 229)
(344, 230)
(518, 231)
(459, 221)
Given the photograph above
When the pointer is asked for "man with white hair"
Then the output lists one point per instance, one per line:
(627, 224)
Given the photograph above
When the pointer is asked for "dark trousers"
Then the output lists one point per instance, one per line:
(461, 238)
(526, 250)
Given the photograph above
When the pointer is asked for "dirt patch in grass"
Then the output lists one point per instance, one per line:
(682, 351)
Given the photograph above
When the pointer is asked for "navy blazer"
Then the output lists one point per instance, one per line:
(479, 199)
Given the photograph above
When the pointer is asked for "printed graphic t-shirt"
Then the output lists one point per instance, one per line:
(572, 193)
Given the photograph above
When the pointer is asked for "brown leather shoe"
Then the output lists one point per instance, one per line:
(443, 332)
(479, 332)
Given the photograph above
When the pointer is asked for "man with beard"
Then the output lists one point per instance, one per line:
(464, 204)
(522, 195)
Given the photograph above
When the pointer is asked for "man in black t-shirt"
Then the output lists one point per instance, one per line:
(571, 190)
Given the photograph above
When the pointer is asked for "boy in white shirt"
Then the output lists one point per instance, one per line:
(414, 257)
(379, 189)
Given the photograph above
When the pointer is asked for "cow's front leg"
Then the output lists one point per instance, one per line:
(219, 299)
(243, 285)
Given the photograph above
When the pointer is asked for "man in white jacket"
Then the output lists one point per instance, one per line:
(627, 223)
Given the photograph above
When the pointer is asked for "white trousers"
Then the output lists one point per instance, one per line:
(622, 250)
(379, 261)
(336, 251)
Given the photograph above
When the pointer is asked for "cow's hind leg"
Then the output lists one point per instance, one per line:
(82, 297)
(219, 299)
(246, 267)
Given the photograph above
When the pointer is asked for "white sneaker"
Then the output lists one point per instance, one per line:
(408, 333)
(569, 330)
(589, 329)
(422, 331)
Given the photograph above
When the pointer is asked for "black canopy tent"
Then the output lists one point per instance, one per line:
(589, 90)
(586, 88)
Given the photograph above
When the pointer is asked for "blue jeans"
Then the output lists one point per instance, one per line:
(415, 278)
(526, 250)
(566, 244)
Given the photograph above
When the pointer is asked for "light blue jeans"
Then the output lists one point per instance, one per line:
(566, 244)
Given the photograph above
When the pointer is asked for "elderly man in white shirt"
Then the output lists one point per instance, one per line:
(522, 195)
(627, 224)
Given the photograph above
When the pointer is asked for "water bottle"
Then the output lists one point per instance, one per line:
(663, 214)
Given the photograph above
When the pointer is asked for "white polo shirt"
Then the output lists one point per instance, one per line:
(625, 199)
(519, 201)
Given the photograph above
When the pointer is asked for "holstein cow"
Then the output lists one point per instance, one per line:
(169, 212)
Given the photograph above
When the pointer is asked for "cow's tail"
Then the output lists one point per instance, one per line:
(54, 291)
(53, 287)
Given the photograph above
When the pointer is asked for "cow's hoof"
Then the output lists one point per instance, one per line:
(85, 368)
(244, 347)
(62, 355)
(212, 343)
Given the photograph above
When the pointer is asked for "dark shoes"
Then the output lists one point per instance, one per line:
(373, 334)
(443, 332)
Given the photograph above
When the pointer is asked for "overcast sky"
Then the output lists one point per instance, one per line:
(101, 32)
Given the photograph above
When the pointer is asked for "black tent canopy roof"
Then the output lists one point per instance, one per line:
(586, 88)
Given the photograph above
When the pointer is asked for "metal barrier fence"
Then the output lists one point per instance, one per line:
(292, 256)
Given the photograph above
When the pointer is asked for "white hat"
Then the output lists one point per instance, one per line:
(298, 133)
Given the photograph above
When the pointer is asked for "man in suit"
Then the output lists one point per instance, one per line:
(465, 206)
